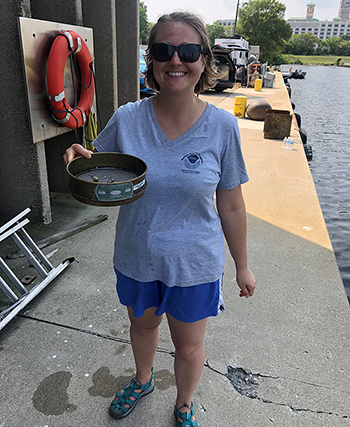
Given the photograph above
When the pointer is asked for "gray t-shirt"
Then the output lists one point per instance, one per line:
(173, 232)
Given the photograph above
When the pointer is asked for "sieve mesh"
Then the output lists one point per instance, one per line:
(107, 175)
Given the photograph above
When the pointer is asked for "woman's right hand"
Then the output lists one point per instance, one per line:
(75, 150)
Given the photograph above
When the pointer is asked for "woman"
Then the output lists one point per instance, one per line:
(169, 249)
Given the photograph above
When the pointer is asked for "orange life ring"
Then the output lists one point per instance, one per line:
(65, 43)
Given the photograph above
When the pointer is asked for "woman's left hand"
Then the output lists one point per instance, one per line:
(246, 282)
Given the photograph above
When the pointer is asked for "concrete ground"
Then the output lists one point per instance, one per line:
(280, 358)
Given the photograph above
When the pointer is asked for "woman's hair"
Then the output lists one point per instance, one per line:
(210, 74)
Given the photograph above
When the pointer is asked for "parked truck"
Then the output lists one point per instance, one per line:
(232, 56)
(240, 48)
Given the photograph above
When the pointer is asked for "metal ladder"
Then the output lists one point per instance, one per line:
(38, 260)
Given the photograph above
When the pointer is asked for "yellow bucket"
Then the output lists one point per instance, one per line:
(258, 85)
(240, 106)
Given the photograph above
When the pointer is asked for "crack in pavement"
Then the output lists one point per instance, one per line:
(89, 332)
(247, 384)
(244, 382)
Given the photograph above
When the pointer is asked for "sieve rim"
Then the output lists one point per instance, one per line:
(79, 158)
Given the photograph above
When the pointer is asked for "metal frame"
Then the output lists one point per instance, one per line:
(14, 229)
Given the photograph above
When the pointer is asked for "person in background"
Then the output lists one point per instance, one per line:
(169, 245)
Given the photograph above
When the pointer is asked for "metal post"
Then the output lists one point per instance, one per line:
(8, 291)
(35, 263)
(13, 278)
(234, 28)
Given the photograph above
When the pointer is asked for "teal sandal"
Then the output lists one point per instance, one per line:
(118, 409)
(186, 417)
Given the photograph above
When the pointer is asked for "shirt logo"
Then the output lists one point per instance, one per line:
(191, 162)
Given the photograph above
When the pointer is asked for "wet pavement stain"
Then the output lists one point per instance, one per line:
(164, 379)
(105, 384)
(121, 349)
(51, 397)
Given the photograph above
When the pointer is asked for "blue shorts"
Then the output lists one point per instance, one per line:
(188, 304)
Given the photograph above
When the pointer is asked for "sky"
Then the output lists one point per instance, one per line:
(212, 10)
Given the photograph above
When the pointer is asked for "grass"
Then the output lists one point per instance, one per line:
(315, 60)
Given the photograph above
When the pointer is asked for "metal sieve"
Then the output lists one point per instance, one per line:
(107, 175)
(107, 179)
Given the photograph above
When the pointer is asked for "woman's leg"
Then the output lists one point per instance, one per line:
(189, 357)
(144, 333)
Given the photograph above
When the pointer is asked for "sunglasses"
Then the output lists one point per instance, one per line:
(188, 52)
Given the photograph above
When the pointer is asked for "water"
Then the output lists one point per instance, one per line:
(323, 101)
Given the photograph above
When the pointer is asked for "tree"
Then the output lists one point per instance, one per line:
(302, 44)
(215, 31)
(321, 49)
(144, 24)
(338, 46)
(345, 37)
(262, 23)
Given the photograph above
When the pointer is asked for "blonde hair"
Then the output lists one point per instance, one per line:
(210, 74)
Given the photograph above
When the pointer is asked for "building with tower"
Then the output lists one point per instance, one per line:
(335, 27)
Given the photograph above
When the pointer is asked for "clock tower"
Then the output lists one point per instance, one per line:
(344, 10)
(310, 8)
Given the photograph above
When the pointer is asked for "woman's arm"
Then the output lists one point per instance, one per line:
(232, 213)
